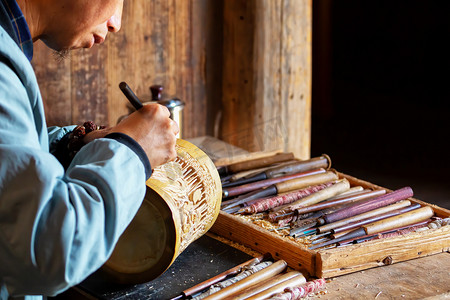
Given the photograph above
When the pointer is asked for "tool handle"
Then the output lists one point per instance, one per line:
(376, 218)
(245, 188)
(323, 161)
(411, 217)
(302, 182)
(368, 205)
(348, 199)
(203, 285)
(339, 187)
(255, 291)
(131, 96)
(272, 270)
(366, 215)
(259, 162)
(278, 287)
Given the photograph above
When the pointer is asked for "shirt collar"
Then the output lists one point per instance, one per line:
(20, 27)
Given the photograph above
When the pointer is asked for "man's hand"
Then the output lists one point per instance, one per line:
(152, 128)
(96, 134)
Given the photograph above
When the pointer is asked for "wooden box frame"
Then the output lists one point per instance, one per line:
(338, 261)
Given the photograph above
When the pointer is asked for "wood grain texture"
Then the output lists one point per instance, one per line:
(54, 79)
(296, 70)
(424, 278)
(267, 75)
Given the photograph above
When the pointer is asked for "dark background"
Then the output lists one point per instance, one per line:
(380, 92)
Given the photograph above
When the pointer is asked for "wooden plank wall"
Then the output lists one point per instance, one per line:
(267, 75)
(243, 67)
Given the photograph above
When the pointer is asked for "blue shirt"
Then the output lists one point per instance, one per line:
(56, 226)
(20, 27)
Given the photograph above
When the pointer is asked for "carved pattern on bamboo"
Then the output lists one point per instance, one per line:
(192, 188)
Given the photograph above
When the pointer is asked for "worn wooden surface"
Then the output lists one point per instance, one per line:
(267, 75)
(413, 279)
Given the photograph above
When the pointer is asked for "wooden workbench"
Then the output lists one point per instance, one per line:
(427, 277)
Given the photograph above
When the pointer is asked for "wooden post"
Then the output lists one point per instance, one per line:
(267, 75)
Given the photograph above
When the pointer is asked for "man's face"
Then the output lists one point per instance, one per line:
(82, 23)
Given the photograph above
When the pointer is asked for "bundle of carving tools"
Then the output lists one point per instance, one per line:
(308, 202)
(258, 278)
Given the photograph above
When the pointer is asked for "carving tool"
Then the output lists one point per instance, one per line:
(254, 163)
(339, 187)
(383, 234)
(281, 280)
(279, 200)
(359, 220)
(134, 100)
(302, 291)
(233, 271)
(408, 218)
(305, 212)
(245, 188)
(248, 173)
(275, 286)
(318, 241)
(385, 215)
(285, 186)
(323, 161)
(272, 270)
(339, 201)
(367, 215)
(363, 207)
(352, 191)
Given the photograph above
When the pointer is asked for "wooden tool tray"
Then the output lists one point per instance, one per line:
(328, 263)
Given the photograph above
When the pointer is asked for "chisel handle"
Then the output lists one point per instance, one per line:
(368, 214)
(272, 270)
(286, 278)
(368, 205)
(203, 285)
(245, 188)
(339, 187)
(411, 217)
(278, 288)
(259, 162)
(376, 218)
(348, 199)
(298, 183)
(323, 161)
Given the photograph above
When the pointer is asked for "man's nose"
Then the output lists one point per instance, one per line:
(115, 22)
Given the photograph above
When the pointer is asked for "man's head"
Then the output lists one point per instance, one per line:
(72, 24)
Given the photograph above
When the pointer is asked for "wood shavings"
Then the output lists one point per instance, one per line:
(274, 228)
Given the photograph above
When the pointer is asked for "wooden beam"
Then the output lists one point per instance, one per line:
(267, 75)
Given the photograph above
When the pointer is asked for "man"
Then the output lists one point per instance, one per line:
(59, 225)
